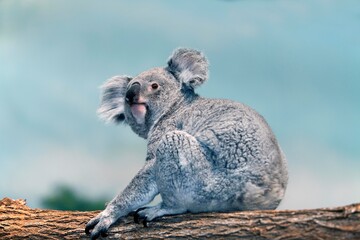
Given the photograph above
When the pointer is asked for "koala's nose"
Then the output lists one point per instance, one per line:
(132, 94)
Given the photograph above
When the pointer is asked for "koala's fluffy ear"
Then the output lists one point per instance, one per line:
(113, 99)
(189, 66)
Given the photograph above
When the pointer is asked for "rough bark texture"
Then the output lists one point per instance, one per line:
(17, 221)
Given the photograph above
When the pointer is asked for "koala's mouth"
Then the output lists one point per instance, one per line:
(139, 110)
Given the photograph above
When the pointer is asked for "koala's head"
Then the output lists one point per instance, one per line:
(142, 100)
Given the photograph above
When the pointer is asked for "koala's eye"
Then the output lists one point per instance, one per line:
(154, 86)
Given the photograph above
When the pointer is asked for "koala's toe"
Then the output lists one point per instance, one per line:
(138, 217)
(144, 216)
(100, 229)
(141, 219)
(145, 223)
(91, 224)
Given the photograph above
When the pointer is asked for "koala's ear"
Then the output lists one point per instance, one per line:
(113, 99)
(189, 66)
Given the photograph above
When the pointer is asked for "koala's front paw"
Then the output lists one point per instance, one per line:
(99, 225)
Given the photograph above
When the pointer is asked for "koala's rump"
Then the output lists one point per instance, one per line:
(240, 145)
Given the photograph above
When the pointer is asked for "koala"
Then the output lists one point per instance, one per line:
(203, 155)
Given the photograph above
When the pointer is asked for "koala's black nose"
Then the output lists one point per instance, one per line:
(132, 94)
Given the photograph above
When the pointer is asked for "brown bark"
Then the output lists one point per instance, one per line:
(17, 221)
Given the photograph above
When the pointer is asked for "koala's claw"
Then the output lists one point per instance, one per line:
(90, 225)
(104, 234)
(96, 232)
(98, 226)
(136, 218)
(139, 218)
(142, 220)
(96, 235)
(145, 223)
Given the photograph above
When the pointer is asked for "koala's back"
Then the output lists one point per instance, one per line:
(228, 129)
(242, 149)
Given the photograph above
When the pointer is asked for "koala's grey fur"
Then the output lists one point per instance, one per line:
(203, 154)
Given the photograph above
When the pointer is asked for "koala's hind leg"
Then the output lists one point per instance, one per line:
(147, 214)
(182, 173)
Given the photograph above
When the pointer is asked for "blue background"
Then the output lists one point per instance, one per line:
(295, 62)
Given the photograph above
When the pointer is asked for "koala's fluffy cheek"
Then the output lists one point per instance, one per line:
(139, 112)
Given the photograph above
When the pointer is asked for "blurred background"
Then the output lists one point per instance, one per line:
(295, 62)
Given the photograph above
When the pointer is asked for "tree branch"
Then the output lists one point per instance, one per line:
(17, 221)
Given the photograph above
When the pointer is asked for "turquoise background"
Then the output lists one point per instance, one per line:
(295, 62)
